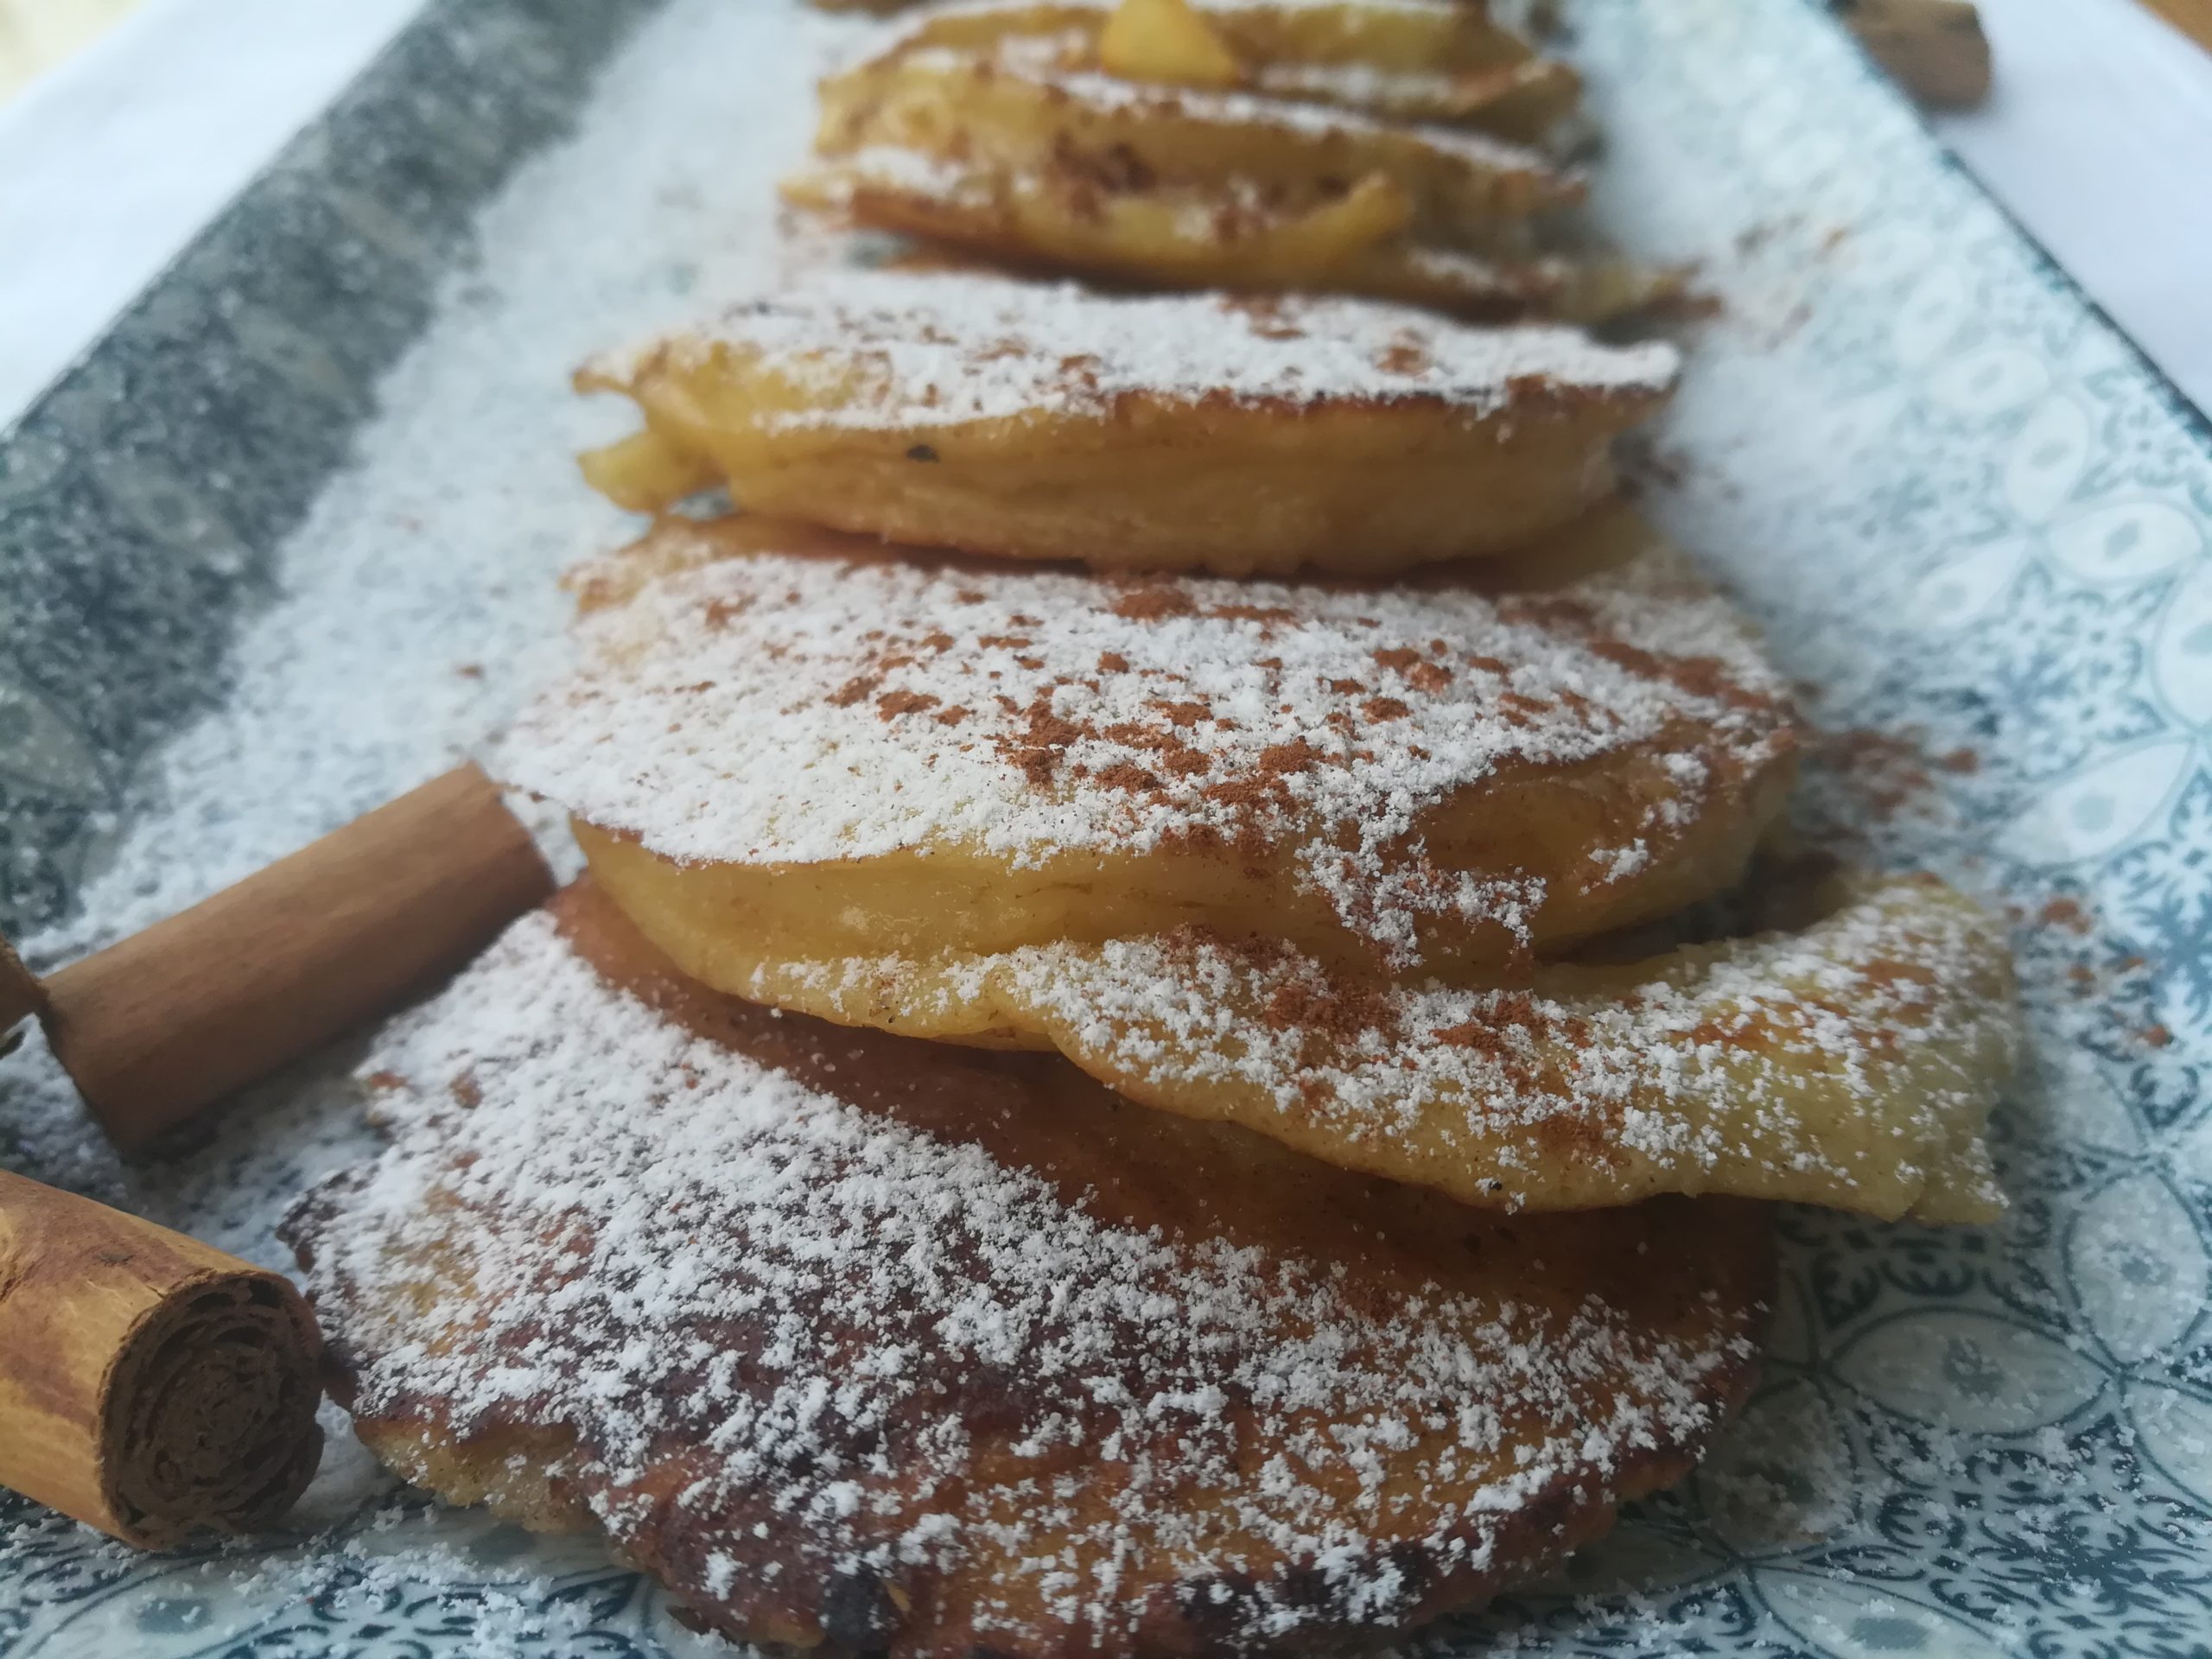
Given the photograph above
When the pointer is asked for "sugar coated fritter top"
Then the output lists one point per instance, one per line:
(1061, 61)
(888, 1346)
(905, 349)
(781, 707)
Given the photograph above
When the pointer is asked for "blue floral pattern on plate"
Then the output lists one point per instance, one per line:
(1965, 512)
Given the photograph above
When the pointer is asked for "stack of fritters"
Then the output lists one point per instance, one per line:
(1185, 999)
(1401, 149)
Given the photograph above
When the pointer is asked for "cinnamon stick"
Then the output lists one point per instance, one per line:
(173, 1019)
(19, 995)
(1935, 49)
(149, 1385)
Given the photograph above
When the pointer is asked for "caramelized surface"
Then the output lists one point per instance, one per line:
(1442, 62)
(790, 747)
(1397, 452)
(1851, 1061)
(1006, 129)
(862, 1345)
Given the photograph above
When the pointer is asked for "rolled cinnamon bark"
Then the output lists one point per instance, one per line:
(150, 1386)
(20, 995)
(1935, 49)
(169, 1020)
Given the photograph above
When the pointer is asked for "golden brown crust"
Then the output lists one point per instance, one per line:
(1403, 61)
(1851, 1060)
(1240, 436)
(1602, 1351)
(1449, 775)
(1015, 133)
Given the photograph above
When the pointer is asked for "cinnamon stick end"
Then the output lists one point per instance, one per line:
(21, 995)
(210, 1415)
(1935, 49)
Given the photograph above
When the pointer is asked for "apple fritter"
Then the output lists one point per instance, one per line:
(829, 751)
(1022, 146)
(862, 1345)
(1156, 432)
(1424, 60)
(1851, 1061)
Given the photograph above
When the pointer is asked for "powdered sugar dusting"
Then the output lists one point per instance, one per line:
(409, 610)
(785, 709)
(1852, 1062)
(915, 20)
(1361, 84)
(1470, 152)
(803, 1305)
(1062, 60)
(841, 185)
(884, 348)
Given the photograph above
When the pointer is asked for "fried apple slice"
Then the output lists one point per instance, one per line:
(861, 1345)
(790, 746)
(1424, 60)
(1003, 130)
(1852, 1062)
(1137, 432)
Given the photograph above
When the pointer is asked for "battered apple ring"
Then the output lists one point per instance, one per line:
(864, 1346)
(1014, 99)
(1852, 1062)
(1017, 145)
(785, 745)
(1426, 60)
(1185, 431)
(1182, 237)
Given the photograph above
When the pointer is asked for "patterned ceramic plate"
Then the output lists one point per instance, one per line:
(284, 544)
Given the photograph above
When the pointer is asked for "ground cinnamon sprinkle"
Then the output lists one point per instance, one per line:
(1301, 1001)
(1892, 770)
(1297, 755)
(1153, 604)
(1269, 314)
(1486, 1036)
(891, 704)
(1044, 741)
(1318, 1008)
(1031, 713)
(1888, 973)
(2067, 914)
(1127, 775)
